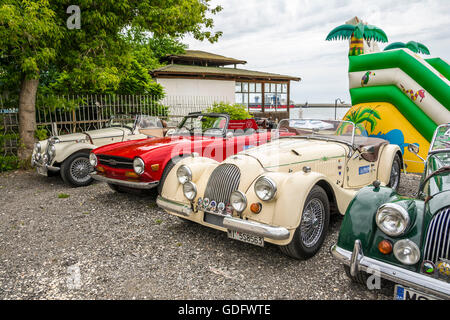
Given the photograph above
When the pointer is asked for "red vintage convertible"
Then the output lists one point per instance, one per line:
(144, 164)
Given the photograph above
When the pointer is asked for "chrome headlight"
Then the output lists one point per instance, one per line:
(392, 219)
(37, 147)
(184, 174)
(51, 151)
(265, 188)
(407, 252)
(190, 190)
(93, 159)
(138, 165)
(238, 201)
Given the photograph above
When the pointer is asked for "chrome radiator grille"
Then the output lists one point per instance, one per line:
(222, 182)
(437, 243)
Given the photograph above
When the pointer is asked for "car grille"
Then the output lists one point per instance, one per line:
(115, 162)
(222, 182)
(437, 243)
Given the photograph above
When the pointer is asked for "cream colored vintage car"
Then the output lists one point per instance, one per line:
(284, 191)
(69, 154)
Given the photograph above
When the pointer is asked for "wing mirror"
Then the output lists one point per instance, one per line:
(414, 148)
(229, 134)
(368, 149)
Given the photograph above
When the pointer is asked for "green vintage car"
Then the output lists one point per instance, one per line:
(403, 240)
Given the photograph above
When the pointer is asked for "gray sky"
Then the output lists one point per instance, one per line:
(288, 37)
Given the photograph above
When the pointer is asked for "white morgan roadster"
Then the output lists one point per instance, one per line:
(284, 191)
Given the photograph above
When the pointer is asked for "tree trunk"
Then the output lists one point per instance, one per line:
(27, 117)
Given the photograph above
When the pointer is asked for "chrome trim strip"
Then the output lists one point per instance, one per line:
(173, 206)
(129, 184)
(256, 228)
(393, 273)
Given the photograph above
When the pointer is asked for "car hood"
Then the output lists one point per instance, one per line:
(94, 134)
(294, 151)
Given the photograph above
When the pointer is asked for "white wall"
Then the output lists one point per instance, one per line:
(199, 88)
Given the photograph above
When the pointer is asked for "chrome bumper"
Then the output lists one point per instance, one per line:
(173, 206)
(124, 183)
(358, 262)
(245, 226)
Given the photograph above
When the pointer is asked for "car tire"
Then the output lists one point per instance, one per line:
(169, 166)
(305, 244)
(394, 179)
(76, 168)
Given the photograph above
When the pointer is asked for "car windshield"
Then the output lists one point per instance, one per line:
(441, 139)
(202, 124)
(122, 120)
(344, 131)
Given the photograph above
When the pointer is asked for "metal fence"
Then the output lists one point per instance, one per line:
(77, 113)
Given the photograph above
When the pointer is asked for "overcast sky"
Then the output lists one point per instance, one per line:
(288, 37)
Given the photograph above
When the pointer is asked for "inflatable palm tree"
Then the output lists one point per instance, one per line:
(414, 46)
(357, 33)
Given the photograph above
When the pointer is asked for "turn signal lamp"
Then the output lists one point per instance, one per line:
(131, 174)
(385, 247)
(100, 169)
(255, 207)
(155, 167)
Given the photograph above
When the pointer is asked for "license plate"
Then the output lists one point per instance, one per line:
(42, 170)
(402, 293)
(245, 237)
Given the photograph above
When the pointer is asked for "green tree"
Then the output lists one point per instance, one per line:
(35, 41)
(235, 111)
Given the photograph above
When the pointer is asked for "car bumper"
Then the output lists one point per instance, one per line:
(43, 168)
(358, 262)
(231, 223)
(124, 183)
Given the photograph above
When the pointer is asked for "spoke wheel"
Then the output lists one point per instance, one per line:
(310, 234)
(75, 170)
(394, 179)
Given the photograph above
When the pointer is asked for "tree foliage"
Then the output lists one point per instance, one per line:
(236, 111)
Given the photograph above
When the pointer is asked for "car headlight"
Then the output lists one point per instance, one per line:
(93, 159)
(392, 219)
(138, 165)
(184, 174)
(51, 151)
(37, 147)
(238, 201)
(265, 188)
(407, 252)
(190, 190)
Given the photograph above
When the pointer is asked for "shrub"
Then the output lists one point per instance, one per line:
(236, 111)
(9, 163)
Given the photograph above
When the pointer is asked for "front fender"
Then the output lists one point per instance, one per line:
(359, 220)
(292, 190)
(64, 151)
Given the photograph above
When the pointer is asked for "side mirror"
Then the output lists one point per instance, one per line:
(229, 134)
(414, 148)
(170, 132)
(368, 149)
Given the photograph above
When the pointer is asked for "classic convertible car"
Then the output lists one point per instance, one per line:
(282, 192)
(143, 165)
(407, 240)
(69, 154)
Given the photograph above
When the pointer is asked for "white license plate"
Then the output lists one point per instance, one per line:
(42, 170)
(245, 237)
(402, 293)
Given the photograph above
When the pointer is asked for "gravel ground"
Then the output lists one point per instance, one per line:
(91, 243)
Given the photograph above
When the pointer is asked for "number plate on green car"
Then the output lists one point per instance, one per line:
(245, 237)
(402, 293)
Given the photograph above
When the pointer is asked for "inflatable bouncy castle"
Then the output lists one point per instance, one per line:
(396, 94)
